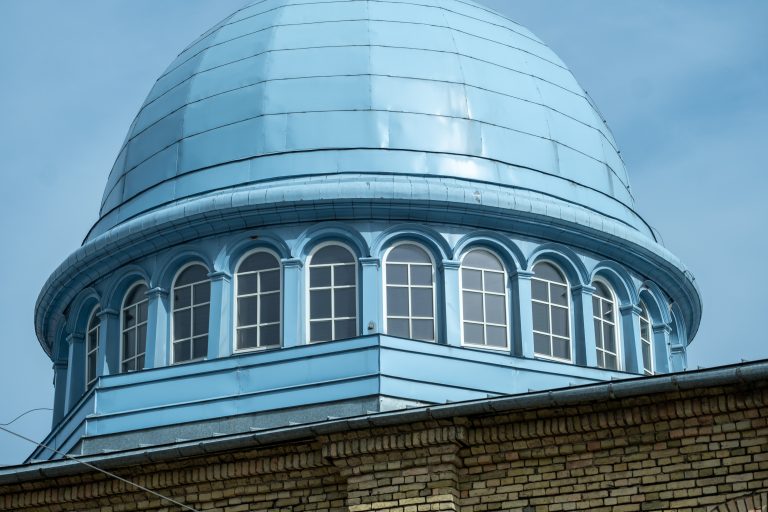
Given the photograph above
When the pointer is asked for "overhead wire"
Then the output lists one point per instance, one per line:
(95, 468)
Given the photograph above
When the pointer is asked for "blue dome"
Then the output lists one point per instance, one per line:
(284, 89)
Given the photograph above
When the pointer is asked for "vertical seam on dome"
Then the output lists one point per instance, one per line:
(463, 76)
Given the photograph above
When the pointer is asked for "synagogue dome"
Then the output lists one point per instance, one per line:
(285, 89)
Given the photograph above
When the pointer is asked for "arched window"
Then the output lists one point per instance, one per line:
(191, 307)
(92, 347)
(332, 294)
(551, 313)
(606, 335)
(134, 329)
(258, 285)
(410, 289)
(484, 300)
(646, 338)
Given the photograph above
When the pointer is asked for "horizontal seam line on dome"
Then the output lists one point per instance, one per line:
(246, 159)
(405, 3)
(369, 45)
(356, 20)
(185, 137)
(543, 105)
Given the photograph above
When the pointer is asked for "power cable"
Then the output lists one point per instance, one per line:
(24, 414)
(104, 471)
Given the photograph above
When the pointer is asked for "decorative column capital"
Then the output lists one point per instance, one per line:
(107, 313)
(370, 262)
(292, 263)
(75, 337)
(157, 292)
(451, 264)
(662, 329)
(630, 308)
(584, 289)
(523, 274)
(219, 276)
(60, 365)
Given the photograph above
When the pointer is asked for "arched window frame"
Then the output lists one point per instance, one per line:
(646, 339)
(191, 308)
(550, 304)
(123, 330)
(237, 296)
(484, 292)
(385, 286)
(93, 330)
(597, 318)
(309, 289)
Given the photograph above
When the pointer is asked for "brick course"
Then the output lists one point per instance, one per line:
(703, 449)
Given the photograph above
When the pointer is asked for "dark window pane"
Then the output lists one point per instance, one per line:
(320, 331)
(541, 344)
(137, 294)
(560, 322)
(320, 277)
(129, 344)
(608, 311)
(421, 275)
(141, 339)
(93, 340)
(201, 316)
(129, 318)
(397, 274)
(142, 312)
(423, 330)
(182, 297)
(495, 282)
(600, 359)
(598, 333)
(346, 305)
(332, 254)
(91, 368)
(247, 311)
(320, 304)
(611, 362)
(270, 308)
(181, 324)
(270, 335)
(540, 317)
(193, 274)
(609, 338)
(344, 275)
(559, 294)
(247, 284)
(496, 336)
(258, 261)
(181, 352)
(645, 331)
(596, 307)
(270, 281)
(601, 290)
(471, 279)
(482, 259)
(247, 338)
(139, 365)
(561, 348)
(539, 290)
(473, 306)
(200, 347)
(473, 334)
(398, 327)
(421, 302)
(408, 253)
(548, 271)
(94, 321)
(345, 329)
(646, 356)
(495, 309)
(203, 293)
(397, 301)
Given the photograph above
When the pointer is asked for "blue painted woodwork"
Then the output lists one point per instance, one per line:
(297, 122)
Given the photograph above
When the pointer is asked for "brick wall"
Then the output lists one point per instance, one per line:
(686, 450)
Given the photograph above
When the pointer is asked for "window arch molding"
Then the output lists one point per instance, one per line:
(506, 250)
(333, 288)
(567, 260)
(175, 263)
(82, 305)
(124, 279)
(199, 304)
(330, 232)
(499, 290)
(237, 294)
(237, 249)
(438, 305)
(619, 280)
(431, 240)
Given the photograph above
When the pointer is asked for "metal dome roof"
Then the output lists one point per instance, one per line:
(435, 88)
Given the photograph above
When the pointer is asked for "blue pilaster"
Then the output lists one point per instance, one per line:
(220, 323)
(522, 339)
(633, 351)
(661, 348)
(372, 310)
(452, 302)
(75, 369)
(293, 324)
(584, 346)
(158, 329)
(108, 361)
(60, 382)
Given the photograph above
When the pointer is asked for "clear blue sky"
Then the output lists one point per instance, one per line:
(684, 86)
